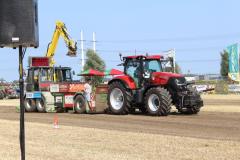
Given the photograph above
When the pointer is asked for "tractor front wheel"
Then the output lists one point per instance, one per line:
(119, 98)
(158, 101)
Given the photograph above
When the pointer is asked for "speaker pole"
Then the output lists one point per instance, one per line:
(22, 109)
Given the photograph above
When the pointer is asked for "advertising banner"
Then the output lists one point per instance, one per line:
(234, 88)
(233, 58)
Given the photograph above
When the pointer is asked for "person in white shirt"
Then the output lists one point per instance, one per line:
(87, 93)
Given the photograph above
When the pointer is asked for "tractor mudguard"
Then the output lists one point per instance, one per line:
(126, 80)
(78, 93)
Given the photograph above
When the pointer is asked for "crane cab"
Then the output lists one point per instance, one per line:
(41, 74)
(38, 77)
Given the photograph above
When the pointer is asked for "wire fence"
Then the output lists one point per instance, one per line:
(219, 85)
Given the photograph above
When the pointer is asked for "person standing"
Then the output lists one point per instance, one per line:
(87, 93)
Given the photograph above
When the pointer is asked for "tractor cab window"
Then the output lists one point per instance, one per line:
(36, 79)
(133, 68)
(36, 75)
(67, 75)
(152, 66)
(46, 75)
(59, 77)
(63, 75)
(167, 65)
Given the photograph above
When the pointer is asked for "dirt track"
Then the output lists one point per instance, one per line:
(222, 102)
(208, 125)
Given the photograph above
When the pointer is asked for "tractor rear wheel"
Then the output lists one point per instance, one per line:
(158, 101)
(79, 104)
(119, 98)
(30, 105)
(41, 105)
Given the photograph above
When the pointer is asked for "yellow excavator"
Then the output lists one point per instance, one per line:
(43, 69)
(61, 30)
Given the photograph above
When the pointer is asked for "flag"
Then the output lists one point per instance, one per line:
(233, 62)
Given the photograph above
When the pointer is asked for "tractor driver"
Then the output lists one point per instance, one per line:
(133, 69)
(137, 74)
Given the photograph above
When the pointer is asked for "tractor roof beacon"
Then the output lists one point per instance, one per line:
(147, 87)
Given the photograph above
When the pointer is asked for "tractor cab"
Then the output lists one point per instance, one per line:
(140, 67)
(151, 69)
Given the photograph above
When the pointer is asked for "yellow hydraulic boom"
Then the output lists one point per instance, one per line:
(61, 30)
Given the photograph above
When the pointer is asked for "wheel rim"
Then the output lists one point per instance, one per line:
(29, 104)
(153, 102)
(40, 105)
(116, 98)
(79, 105)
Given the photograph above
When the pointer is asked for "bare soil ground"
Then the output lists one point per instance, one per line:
(226, 100)
(76, 143)
(212, 134)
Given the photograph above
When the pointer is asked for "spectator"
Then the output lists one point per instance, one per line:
(87, 93)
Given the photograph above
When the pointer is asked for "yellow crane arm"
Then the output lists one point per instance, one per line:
(61, 30)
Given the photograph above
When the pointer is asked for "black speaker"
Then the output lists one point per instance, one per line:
(19, 23)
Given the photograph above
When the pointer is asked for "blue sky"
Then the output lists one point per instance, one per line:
(198, 30)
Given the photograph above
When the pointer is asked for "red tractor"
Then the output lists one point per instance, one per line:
(147, 87)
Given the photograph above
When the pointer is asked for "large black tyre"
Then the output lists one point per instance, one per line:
(41, 105)
(119, 98)
(79, 104)
(158, 101)
(30, 105)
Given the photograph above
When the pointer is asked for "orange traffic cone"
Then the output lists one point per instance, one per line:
(55, 122)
